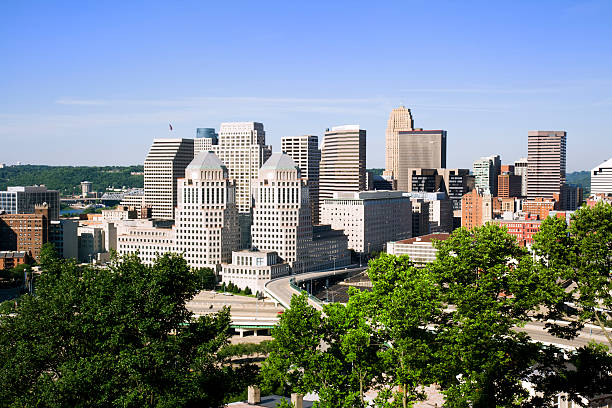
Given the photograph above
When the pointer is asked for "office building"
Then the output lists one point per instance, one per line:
(486, 170)
(146, 238)
(570, 197)
(164, 165)
(304, 150)
(253, 269)
(328, 249)
(400, 119)
(206, 215)
(369, 219)
(63, 235)
(440, 211)
(22, 200)
(25, 232)
(242, 149)
(420, 217)
(520, 169)
(601, 178)
(508, 185)
(343, 161)
(420, 250)
(478, 208)
(419, 149)
(90, 242)
(546, 163)
(281, 215)
(205, 139)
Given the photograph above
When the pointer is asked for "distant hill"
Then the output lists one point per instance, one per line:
(376, 172)
(582, 179)
(67, 179)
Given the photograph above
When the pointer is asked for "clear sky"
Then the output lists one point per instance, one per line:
(93, 82)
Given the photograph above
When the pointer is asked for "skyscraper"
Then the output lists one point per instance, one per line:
(486, 170)
(165, 163)
(400, 119)
(206, 215)
(281, 215)
(419, 149)
(546, 163)
(205, 139)
(242, 148)
(520, 169)
(601, 178)
(343, 161)
(304, 150)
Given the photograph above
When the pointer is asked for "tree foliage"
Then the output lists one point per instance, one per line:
(117, 336)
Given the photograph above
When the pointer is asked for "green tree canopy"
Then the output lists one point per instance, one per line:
(117, 336)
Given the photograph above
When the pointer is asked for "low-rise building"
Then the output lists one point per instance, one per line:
(91, 242)
(25, 232)
(369, 219)
(253, 269)
(420, 249)
(147, 238)
(11, 259)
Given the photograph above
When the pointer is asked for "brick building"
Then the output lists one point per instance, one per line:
(11, 259)
(25, 232)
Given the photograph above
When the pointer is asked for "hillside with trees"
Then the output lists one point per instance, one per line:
(67, 179)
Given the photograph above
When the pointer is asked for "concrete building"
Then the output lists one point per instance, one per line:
(343, 161)
(400, 119)
(520, 169)
(135, 198)
(486, 170)
(205, 139)
(22, 200)
(546, 163)
(242, 148)
(63, 235)
(120, 213)
(440, 210)
(281, 215)
(253, 269)
(304, 150)
(420, 217)
(570, 197)
(90, 242)
(328, 249)
(369, 219)
(419, 149)
(601, 178)
(25, 232)
(86, 188)
(164, 165)
(206, 215)
(147, 238)
(420, 249)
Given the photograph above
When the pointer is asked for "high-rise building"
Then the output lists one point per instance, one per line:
(22, 200)
(369, 219)
(421, 149)
(281, 215)
(601, 178)
(400, 119)
(440, 210)
(343, 161)
(508, 185)
(205, 139)
(206, 215)
(520, 169)
(304, 150)
(546, 163)
(242, 148)
(164, 165)
(486, 170)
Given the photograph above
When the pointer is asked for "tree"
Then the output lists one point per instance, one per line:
(117, 336)
(207, 278)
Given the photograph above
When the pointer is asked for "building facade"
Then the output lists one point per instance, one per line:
(146, 238)
(420, 249)
(253, 269)
(304, 150)
(520, 169)
(164, 165)
(369, 219)
(400, 120)
(205, 139)
(281, 215)
(207, 228)
(440, 210)
(546, 151)
(486, 170)
(343, 161)
(601, 178)
(419, 149)
(25, 232)
(22, 200)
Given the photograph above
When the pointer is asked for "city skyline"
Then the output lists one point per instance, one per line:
(71, 81)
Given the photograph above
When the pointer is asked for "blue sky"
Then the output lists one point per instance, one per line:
(92, 83)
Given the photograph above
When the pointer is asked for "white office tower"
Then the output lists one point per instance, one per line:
(242, 148)
(206, 215)
(281, 215)
(601, 178)
(369, 219)
(343, 160)
(486, 170)
(520, 169)
(164, 165)
(304, 150)
(400, 120)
